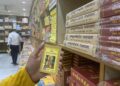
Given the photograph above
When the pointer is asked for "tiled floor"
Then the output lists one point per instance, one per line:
(6, 68)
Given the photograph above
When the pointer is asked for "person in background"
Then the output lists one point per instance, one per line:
(30, 75)
(14, 40)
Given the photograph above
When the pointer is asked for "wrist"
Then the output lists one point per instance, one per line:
(31, 75)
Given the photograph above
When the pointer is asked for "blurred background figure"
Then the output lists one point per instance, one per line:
(14, 41)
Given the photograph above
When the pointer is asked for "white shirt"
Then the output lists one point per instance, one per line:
(14, 38)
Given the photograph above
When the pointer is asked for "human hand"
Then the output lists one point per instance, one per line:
(33, 64)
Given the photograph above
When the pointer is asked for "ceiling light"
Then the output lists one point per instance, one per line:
(23, 2)
(24, 9)
(9, 11)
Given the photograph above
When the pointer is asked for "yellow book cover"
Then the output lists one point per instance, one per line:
(50, 60)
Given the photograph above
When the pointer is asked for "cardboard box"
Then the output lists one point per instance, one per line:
(110, 10)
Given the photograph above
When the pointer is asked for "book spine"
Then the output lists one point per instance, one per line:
(109, 31)
(92, 17)
(84, 29)
(83, 47)
(110, 52)
(111, 20)
(109, 44)
(106, 2)
(85, 38)
(91, 6)
(110, 10)
(110, 38)
(92, 28)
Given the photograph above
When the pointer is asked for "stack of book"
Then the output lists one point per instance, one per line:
(82, 28)
(64, 69)
(110, 31)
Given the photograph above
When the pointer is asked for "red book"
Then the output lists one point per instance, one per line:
(110, 38)
(106, 2)
(110, 10)
(110, 52)
(107, 30)
(109, 44)
(111, 20)
(85, 75)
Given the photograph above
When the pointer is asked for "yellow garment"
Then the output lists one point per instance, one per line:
(21, 78)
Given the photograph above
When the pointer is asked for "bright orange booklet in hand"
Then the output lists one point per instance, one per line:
(50, 61)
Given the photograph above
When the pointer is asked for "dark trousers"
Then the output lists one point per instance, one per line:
(14, 52)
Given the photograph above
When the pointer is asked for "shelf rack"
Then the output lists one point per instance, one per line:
(63, 7)
(10, 23)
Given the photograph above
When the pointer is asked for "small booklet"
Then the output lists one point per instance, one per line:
(50, 61)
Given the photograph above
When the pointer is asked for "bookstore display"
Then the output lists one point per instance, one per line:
(88, 33)
(26, 52)
(11, 23)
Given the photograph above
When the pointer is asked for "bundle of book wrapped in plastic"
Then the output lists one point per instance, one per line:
(95, 28)
(110, 31)
(82, 28)
(25, 53)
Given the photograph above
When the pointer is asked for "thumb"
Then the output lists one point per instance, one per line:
(41, 46)
(40, 55)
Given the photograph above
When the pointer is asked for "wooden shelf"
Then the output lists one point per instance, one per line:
(76, 51)
(2, 42)
(114, 66)
(25, 35)
(8, 29)
(8, 22)
(23, 23)
(1, 30)
(96, 59)
(1, 22)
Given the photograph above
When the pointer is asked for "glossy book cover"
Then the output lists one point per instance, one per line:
(50, 60)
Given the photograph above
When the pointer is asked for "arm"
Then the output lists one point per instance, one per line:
(29, 75)
(9, 40)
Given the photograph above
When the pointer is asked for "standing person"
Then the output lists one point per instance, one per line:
(14, 40)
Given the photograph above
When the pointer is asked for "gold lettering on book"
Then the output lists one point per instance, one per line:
(117, 11)
(114, 0)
